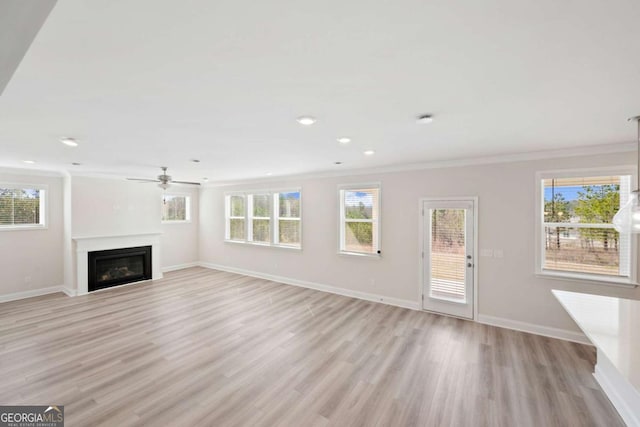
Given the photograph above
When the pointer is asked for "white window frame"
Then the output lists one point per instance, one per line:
(187, 202)
(275, 229)
(342, 188)
(44, 206)
(229, 217)
(251, 217)
(273, 218)
(540, 228)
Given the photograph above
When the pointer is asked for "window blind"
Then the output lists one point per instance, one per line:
(448, 263)
(578, 236)
(21, 206)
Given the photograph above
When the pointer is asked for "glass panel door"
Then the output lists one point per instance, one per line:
(448, 257)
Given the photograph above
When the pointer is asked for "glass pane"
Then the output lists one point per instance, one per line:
(262, 205)
(593, 200)
(237, 206)
(19, 206)
(174, 208)
(583, 250)
(358, 237)
(119, 268)
(261, 230)
(448, 262)
(361, 204)
(6, 206)
(289, 232)
(289, 204)
(236, 229)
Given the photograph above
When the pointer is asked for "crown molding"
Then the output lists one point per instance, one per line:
(441, 164)
(31, 172)
(101, 175)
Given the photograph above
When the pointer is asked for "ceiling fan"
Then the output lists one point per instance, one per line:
(164, 180)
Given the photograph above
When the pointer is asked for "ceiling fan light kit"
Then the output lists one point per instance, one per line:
(627, 219)
(164, 180)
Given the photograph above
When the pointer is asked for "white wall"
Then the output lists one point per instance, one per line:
(33, 259)
(104, 207)
(83, 207)
(508, 287)
(179, 241)
(107, 207)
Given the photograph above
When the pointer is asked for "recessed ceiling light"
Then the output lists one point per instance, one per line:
(269, 173)
(205, 179)
(337, 163)
(425, 118)
(369, 153)
(29, 162)
(344, 140)
(76, 164)
(69, 142)
(306, 120)
(195, 161)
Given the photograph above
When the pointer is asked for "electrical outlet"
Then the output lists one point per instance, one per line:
(498, 253)
(486, 252)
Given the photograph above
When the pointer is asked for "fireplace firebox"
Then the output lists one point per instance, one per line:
(118, 266)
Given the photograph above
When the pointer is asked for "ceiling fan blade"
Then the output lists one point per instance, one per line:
(185, 182)
(142, 180)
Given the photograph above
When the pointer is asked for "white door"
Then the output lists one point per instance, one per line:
(448, 257)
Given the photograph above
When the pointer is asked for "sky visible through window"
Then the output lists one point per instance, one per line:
(354, 198)
(595, 247)
(570, 193)
(291, 195)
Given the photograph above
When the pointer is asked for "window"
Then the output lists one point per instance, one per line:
(287, 222)
(260, 223)
(360, 219)
(267, 218)
(576, 237)
(235, 218)
(176, 208)
(22, 206)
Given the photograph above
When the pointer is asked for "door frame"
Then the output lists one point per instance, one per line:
(422, 249)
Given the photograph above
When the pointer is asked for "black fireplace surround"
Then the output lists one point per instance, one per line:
(119, 266)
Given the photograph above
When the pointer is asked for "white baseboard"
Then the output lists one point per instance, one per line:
(413, 305)
(179, 266)
(622, 394)
(33, 293)
(69, 292)
(531, 328)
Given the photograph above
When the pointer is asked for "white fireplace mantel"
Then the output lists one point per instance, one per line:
(85, 244)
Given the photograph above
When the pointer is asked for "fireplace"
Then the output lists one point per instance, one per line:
(118, 266)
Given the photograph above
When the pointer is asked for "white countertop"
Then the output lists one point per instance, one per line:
(613, 326)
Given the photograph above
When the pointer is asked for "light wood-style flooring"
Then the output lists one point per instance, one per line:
(209, 348)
